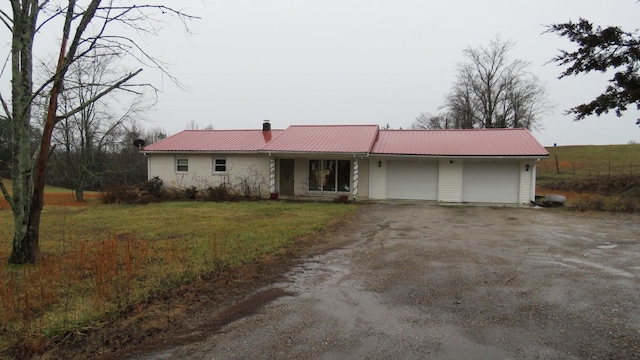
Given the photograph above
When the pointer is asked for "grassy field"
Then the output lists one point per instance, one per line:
(53, 195)
(99, 259)
(591, 160)
(603, 177)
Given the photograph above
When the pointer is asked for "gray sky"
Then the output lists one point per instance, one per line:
(368, 62)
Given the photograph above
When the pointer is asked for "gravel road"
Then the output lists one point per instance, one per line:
(421, 281)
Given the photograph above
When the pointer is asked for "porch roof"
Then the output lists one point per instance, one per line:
(325, 139)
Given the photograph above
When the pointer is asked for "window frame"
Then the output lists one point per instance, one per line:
(215, 165)
(178, 164)
(319, 170)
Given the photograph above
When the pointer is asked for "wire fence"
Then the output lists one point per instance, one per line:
(556, 166)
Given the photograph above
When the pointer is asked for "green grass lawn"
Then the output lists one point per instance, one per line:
(99, 259)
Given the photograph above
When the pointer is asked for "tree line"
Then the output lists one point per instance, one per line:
(93, 148)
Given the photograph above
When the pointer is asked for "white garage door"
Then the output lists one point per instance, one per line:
(412, 179)
(494, 182)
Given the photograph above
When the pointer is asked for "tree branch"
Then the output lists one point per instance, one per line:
(99, 95)
(6, 194)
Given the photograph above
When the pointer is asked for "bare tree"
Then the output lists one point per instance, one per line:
(427, 121)
(83, 141)
(85, 28)
(492, 91)
(127, 165)
(459, 103)
(193, 125)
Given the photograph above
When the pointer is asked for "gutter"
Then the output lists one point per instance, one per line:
(462, 156)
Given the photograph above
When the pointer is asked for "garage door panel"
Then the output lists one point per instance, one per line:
(491, 182)
(412, 179)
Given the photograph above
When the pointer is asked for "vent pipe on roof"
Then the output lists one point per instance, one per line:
(266, 126)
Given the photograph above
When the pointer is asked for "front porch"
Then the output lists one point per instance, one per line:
(319, 178)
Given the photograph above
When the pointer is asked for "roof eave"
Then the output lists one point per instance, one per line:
(200, 151)
(453, 156)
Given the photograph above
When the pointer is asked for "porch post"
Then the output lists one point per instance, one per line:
(272, 176)
(355, 180)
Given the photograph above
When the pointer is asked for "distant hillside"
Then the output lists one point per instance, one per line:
(591, 160)
(607, 170)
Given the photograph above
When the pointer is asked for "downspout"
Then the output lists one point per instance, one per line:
(148, 166)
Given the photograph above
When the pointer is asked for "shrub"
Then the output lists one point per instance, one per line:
(217, 193)
(119, 194)
(248, 189)
(190, 192)
(588, 202)
(617, 204)
(153, 187)
(593, 202)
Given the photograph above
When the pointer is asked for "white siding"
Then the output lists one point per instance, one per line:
(450, 181)
(527, 181)
(250, 170)
(377, 178)
(363, 178)
(412, 179)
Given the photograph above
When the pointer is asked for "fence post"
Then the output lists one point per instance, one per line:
(557, 166)
(630, 168)
(609, 166)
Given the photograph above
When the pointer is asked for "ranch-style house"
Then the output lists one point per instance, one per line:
(359, 161)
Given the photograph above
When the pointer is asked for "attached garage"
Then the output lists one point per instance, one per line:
(412, 179)
(491, 182)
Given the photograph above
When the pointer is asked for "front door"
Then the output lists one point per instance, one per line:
(286, 177)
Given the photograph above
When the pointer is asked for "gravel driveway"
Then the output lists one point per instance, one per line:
(421, 281)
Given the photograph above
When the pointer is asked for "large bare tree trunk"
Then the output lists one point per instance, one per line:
(29, 176)
(25, 15)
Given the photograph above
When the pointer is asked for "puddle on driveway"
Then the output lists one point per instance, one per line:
(607, 246)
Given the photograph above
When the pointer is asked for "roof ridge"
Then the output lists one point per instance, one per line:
(448, 130)
(338, 125)
(220, 130)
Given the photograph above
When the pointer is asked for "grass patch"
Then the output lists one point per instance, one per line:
(97, 260)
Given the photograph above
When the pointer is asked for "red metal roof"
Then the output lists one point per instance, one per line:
(357, 139)
(472, 142)
(214, 140)
(329, 139)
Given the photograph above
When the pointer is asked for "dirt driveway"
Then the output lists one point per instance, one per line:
(420, 281)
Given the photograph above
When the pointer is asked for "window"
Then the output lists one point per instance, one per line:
(182, 165)
(219, 165)
(329, 175)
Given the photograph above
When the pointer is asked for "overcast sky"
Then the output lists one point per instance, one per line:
(368, 62)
